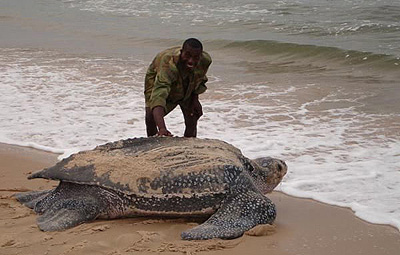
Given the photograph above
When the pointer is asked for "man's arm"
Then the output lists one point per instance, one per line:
(158, 114)
(161, 89)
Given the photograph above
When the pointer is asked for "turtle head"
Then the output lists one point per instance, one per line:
(269, 173)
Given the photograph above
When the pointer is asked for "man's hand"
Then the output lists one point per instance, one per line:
(164, 132)
(196, 107)
(158, 113)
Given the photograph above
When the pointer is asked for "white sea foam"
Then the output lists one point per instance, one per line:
(69, 104)
(335, 154)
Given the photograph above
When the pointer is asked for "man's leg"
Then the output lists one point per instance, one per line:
(151, 126)
(190, 122)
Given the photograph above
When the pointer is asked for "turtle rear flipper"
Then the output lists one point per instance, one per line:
(30, 199)
(68, 213)
(69, 205)
(239, 213)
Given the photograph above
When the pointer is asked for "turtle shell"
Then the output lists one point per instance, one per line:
(156, 165)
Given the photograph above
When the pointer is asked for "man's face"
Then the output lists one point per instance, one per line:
(190, 57)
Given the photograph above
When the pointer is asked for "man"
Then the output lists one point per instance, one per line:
(176, 77)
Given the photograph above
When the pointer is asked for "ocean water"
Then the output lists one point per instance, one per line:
(313, 82)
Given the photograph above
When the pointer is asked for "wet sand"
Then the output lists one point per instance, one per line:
(303, 226)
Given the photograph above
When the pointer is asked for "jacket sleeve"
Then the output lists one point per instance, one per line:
(162, 85)
(202, 87)
(205, 64)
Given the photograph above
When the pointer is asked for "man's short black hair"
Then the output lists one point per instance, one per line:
(194, 43)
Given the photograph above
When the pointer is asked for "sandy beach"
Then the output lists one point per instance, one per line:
(303, 226)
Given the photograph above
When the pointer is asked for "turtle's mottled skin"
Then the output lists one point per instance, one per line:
(160, 176)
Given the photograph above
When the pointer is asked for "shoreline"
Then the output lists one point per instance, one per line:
(303, 226)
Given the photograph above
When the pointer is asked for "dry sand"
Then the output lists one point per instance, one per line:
(303, 226)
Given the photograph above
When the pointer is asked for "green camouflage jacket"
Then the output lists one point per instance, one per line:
(164, 82)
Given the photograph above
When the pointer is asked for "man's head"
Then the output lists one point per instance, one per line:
(191, 53)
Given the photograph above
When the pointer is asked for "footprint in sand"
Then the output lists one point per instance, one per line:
(8, 243)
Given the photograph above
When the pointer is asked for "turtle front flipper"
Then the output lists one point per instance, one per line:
(240, 212)
(68, 213)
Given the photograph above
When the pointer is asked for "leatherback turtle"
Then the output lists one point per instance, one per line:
(163, 177)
